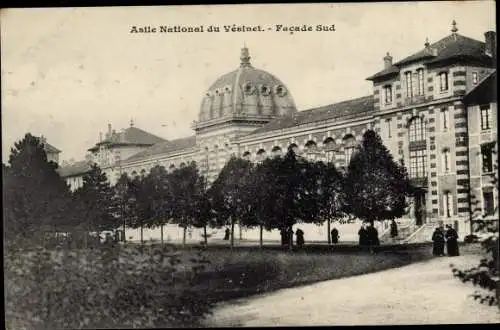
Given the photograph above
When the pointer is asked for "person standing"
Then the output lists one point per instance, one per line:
(300, 237)
(226, 234)
(451, 241)
(335, 235)
(438, 242)
(372, 234)
(363, 235)
(394, 229)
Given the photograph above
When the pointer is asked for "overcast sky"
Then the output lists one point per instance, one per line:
(68, 72)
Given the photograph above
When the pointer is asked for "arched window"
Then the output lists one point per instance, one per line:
(416, 129)
(311, 150)
(247, 155)
(261, 155)
(294, 147)
(276, 151)
(329, 147)
(349, 147)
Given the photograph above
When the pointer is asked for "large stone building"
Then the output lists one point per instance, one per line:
(435, 110)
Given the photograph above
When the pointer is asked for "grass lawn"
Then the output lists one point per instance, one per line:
(149, 286)
(243, 272)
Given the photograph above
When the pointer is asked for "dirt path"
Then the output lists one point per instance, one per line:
(422, 293)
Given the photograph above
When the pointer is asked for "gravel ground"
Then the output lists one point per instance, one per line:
(421, 293)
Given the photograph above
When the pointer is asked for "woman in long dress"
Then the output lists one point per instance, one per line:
(451, 241)
(438, 245)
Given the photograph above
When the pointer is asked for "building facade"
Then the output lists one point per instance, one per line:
(435, 110)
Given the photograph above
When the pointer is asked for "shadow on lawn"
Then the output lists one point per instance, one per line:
(246, 272)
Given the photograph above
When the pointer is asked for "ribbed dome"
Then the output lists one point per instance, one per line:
(246, 92)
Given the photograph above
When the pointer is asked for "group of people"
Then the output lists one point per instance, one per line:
(287, 237)
(368, 235)
(440, 237)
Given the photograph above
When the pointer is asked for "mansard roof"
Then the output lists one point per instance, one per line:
(453, 46)
(342, 110)
(130, 136)
(165, 147)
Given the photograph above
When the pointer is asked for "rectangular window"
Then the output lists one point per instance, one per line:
(409, 85)
(488, 203)
(418, 163)
(445, 118)
(443, 81)
(475, 78)
(487, 158)
(448, 204)
(388, 123)
(388, 94)
(485, 116)
(420, 73)
(446, 160)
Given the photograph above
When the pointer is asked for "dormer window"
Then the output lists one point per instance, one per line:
(443, 81)
(388, 94)
(420, 77)
(409, 85)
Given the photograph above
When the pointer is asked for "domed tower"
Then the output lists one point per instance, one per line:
(244, 100)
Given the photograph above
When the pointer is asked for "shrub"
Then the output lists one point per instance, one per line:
(114, 287)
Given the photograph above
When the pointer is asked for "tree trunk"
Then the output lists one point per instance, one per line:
(184, 236)
(142, 234)
(85, 239)
(260, 238)
(161, 234)
(124, 236)
(239, 225)
(205, 234)
(328, 231)
(232, 233)
(290, 238)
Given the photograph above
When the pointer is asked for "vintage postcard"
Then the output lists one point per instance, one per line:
(250, 165)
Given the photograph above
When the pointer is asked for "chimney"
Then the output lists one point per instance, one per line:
(43, 139)
(491, 43)
(387, 61)
(109, 128)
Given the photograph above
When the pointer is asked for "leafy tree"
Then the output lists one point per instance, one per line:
(329, 194)
(227, 192)
(486, 273)
(375, 186)
(35, 197)
(96, 202)
(258, 197)
(186, 196)
(161, 203)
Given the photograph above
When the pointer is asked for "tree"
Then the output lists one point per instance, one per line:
(186, 196)
(227, 190)
(258, 197)
(329, 194)
(35, 196)
(161, 203)
(97, 202)
(376, 187)
(486, 274)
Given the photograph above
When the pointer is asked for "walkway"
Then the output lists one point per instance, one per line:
(421, 293)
